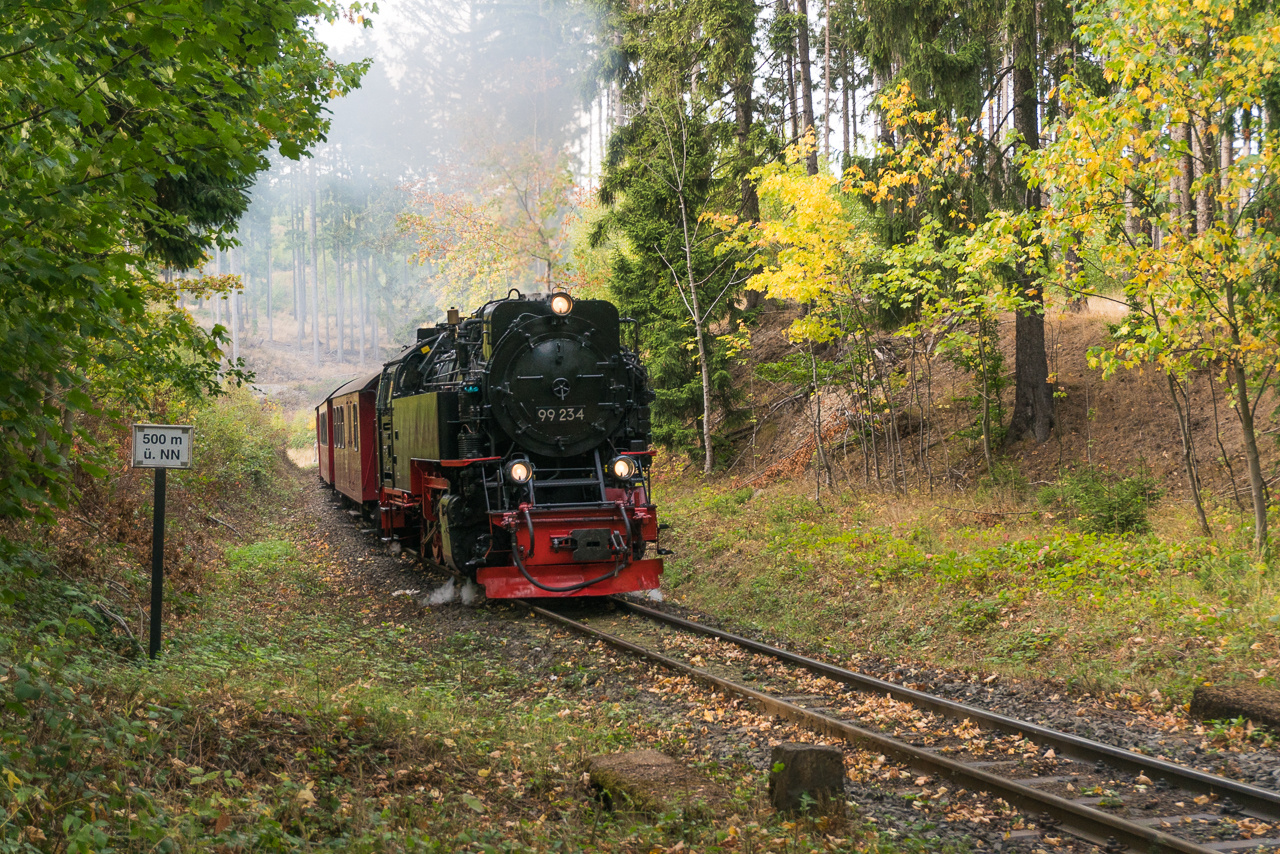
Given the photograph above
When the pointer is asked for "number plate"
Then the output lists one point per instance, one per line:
(551, 414)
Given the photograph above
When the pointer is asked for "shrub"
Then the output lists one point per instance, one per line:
(238, 443)
(1103, 503)
(302, 430)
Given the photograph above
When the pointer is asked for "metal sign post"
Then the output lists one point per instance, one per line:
(161, 447)
(157, 562)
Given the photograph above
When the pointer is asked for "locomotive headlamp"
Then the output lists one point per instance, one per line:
(624, 468)
(520, 471)
(561, 304)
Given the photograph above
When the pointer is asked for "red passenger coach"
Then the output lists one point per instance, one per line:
(353, 443)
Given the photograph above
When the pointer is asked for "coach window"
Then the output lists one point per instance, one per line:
(324, 428)
(355, 428)
(338, 435)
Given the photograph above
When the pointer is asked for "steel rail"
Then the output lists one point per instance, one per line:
(1258, 802)
(1089, 824)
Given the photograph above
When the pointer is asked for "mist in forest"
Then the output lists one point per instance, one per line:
(461, 103)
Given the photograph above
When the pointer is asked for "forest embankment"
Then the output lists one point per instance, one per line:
(1080, 560)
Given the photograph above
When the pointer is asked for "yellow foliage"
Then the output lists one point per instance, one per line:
(1117, 158)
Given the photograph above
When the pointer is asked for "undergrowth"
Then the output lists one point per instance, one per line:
(1063, 594)
(1105, 503)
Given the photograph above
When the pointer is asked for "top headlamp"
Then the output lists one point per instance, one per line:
(561, 304)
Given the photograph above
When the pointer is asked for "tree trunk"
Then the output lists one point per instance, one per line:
(806, 80)
(696, 311)
(1184, 177)
(1226, 159)
(1188, 449)
(271, 332)
(743, 110)
(217, 298)
(373, 313)
(297, 296)
(364, 289)
(1257, 484)
(846, 159)
(349, 312)
(300, 271)
(793, 103)
(1208, 156)
(884, 133)
(324, 279)
(242, 303)
(253, 309)
(339, 262)
(1244, 411)
(315, 283)
(826, 74)
(233, 305)
(1032, 398)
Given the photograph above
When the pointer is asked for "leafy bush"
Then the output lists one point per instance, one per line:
(302, 430)
(238, 443)
(973, 617)
(1102, 503)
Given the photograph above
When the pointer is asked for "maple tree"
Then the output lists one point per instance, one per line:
(1172, 176)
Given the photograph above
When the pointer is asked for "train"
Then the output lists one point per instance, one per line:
(510, 447)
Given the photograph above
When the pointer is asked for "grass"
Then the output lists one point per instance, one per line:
(288, 713)
(1004, 588)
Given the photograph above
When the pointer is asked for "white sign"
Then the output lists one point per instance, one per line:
(162, 446)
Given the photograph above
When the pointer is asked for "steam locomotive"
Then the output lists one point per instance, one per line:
(511, 447)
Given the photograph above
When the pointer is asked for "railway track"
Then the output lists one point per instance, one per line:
(1099, 793)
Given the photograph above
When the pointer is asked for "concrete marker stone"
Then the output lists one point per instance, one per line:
(814, 770)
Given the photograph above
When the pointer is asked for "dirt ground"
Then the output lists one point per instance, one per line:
(1121, 423)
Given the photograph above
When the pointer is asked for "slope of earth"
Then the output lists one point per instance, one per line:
(949, 565)
(1120, 424)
